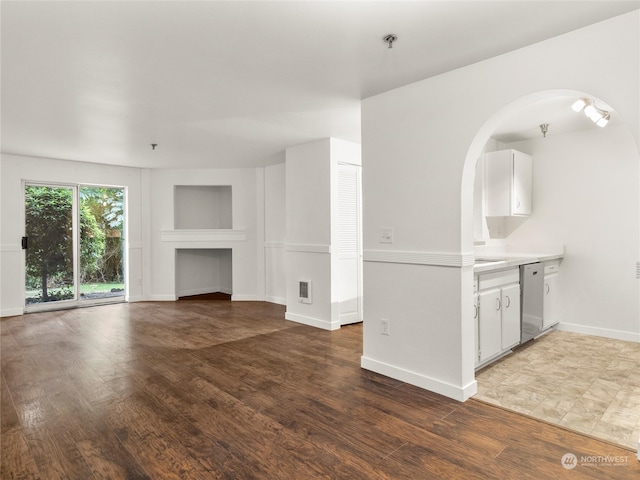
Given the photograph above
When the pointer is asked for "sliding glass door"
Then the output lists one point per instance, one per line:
(101, 243)
(49, 241)
(74, 245)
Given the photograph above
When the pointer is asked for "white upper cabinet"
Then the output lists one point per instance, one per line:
(508, 175)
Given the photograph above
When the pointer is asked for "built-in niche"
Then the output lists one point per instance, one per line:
(203, 270)
(198, 207)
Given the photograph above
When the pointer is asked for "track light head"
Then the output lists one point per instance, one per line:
(596, 115)
(602, 121)
(579, 105)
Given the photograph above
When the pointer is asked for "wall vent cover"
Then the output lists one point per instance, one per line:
(304, 291)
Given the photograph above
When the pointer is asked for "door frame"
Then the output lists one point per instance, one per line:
(76, 301)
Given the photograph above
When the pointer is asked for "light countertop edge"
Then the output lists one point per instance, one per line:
(512, 260)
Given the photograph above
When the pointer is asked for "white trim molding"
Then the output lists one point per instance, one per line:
(276, 300)
(271, 244)
(209, 235)
(419, 380)
(244, 298)
(312, 322)
(307, 248)
(163, 298)
(441, 259)
(600, 332)
(10, 247)
(11, 312)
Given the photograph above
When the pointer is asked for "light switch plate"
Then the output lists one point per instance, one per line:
(386, 235)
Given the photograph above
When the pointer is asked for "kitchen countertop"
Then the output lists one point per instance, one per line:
(489, 263)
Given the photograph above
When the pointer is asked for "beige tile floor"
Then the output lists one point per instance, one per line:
(581, 382)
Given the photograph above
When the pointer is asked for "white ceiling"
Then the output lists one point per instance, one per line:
(232, 84)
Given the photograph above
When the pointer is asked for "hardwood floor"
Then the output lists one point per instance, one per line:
(214, 389)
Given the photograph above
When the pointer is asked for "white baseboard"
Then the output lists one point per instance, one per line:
(600, 332)
(11, 312)
(312, 322)
(278, 300)
(244, 298)
(461, 393)
(162, 298)
(349, 318)
(136, 298)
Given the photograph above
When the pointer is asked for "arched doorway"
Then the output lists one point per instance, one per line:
(586, 199)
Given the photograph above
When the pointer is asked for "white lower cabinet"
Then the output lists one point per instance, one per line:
(498, 308)
(510, 316)
(489, 325)
(550, 309)
(476, 316)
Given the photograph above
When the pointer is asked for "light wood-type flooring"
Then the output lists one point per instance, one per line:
(218, 389)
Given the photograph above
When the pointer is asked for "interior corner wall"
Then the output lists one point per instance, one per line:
(417, 181)
(14, 169)
(275, 231)
(242, 238)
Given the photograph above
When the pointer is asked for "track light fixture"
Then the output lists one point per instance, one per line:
(596, 115)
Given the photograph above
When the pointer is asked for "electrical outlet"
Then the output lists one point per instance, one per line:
(386, 235)
(384, 327)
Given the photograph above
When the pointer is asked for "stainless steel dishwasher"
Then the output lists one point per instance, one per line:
(532, 297)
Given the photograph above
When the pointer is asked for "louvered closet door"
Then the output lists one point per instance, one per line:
(349, 244)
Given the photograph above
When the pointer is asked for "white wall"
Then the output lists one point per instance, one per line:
(257, 236)
(586, 197)
(15, 169)
(418, 176)
(274, 213)
(312, 251)
(308, 233)
(242, 239)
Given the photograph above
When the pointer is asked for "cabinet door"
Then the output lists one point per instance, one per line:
(490, 325)
(498, 171)
(510, 316)
(476, 320)
(521, 184)
(549, 308)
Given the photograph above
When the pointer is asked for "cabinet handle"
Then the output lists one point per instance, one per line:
(508, 302)
(475, 311)
(498, 304)
(547, 287)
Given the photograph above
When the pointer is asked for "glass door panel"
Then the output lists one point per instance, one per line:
(101, 243)
(50, 253)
